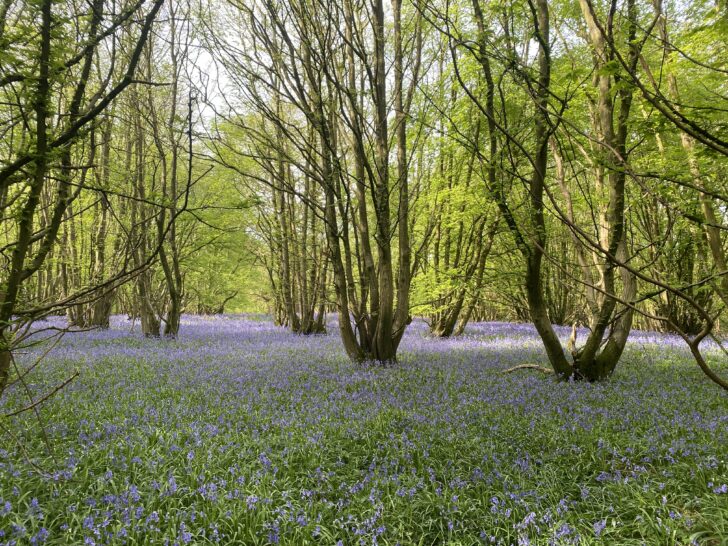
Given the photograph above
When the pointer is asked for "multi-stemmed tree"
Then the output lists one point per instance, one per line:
(321, 78)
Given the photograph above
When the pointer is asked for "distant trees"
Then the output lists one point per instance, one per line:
(59, 75)
(162, 118)
(521, 160)
(462, 222)
(133, 187)
(295, 254)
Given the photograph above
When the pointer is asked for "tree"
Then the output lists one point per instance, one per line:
(318, 120)
(52, 102)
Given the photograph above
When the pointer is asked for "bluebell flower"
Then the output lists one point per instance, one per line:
(599, 526)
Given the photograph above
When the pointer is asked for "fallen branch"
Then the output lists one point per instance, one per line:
(529, 367)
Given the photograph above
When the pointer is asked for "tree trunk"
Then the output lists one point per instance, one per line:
(6, 359)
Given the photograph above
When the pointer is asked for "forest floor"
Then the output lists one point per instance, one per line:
(242, 433)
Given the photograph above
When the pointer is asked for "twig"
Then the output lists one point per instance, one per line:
(44, 398)
(719, 343)
(27, 455)
(32, 406)
(30, 368)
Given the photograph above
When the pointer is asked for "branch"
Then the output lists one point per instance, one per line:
(529, 367)
(44, 398)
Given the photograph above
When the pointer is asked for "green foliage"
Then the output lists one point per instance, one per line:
(221, 263)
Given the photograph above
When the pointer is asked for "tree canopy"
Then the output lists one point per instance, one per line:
(560, 163)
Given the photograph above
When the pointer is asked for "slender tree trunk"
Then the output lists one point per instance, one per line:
(17, 272)
(534, 258)
(597, 358)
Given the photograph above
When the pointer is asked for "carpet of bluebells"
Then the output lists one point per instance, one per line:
(242, 433)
